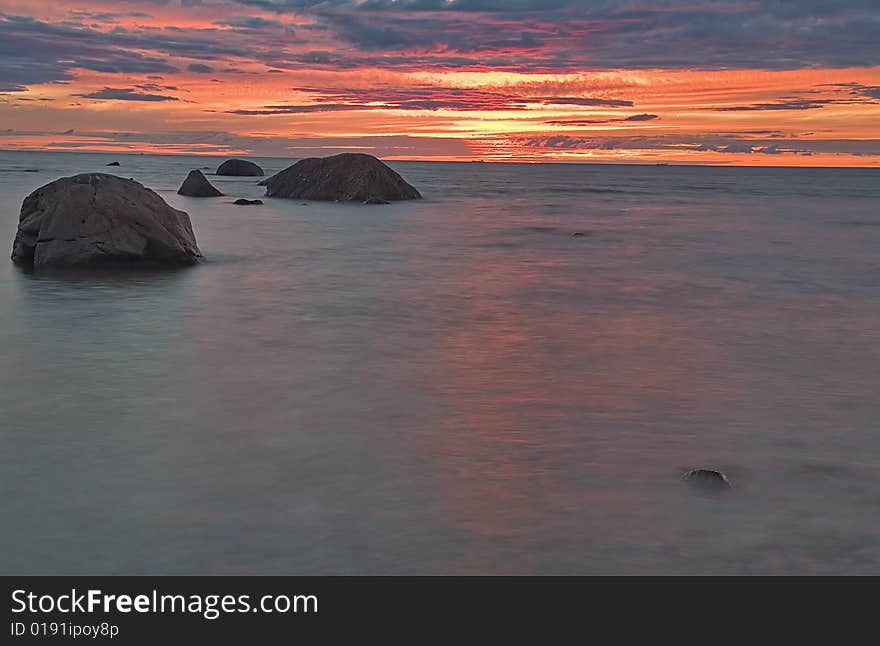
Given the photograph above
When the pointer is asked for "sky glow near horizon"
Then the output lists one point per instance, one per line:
(681, 81)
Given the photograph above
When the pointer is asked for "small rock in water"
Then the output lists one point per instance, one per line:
(707, 479)
(376, 200)
(244, 202)
(197, 185)
(113, 164)
(240, 168)
(580, 234)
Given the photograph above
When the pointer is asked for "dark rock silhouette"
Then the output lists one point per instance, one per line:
(197, 185)
(97, 218)
(707, 479)
(239, 168)
(113, 164)
(244, 202)
(349, 177)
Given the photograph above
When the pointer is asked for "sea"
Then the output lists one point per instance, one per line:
(509, 376)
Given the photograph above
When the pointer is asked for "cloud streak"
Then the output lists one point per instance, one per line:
(425, 97)
(125, 94)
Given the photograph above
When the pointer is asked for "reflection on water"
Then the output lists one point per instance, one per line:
(456, 385)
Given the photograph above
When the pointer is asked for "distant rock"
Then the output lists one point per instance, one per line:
(349, 177)
(707, 479)
(239, 168)
(197, 185)
(113, 164)
(581, 234)
(244, 202)
(96, 219)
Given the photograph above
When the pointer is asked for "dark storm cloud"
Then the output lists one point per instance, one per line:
(590, 122)
(858, 90)
(422, 35)
(105, 16)
(302, 109)
(584, 101)
(35, 51)
(423, 98)
(701, 143)
(845, 94)
(609, 33)
(125, 94)
(248, 22)
(779, 105)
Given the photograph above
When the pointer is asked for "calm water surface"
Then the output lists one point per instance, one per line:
(456, 385)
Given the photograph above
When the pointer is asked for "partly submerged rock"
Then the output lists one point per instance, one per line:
(349, 177)
(376, 200)
(197, 185)
(96, 218)
(239, 168)
(707, 479)
(113, 164)
(244, 202)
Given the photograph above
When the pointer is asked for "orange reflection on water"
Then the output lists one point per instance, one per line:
(546, 402)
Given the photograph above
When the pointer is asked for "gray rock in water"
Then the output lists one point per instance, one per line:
(349, 177)
(96, 218)
(239, 168)
(113, 164)
(197, 185)
(707, 479)
(244, 202)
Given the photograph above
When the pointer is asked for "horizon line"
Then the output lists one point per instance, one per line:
(446, 161)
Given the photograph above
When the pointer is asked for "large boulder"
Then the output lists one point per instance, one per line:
(96, 218)
(349, 177)
(240, 168)
(197, 185)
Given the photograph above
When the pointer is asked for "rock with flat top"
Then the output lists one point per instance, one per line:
(239, 168)
(349, 177)
(243, 202)
(197, 185)
(98, 219)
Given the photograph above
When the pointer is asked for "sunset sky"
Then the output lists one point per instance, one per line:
(722, 82)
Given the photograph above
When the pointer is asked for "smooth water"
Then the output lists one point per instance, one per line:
(456, 385)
